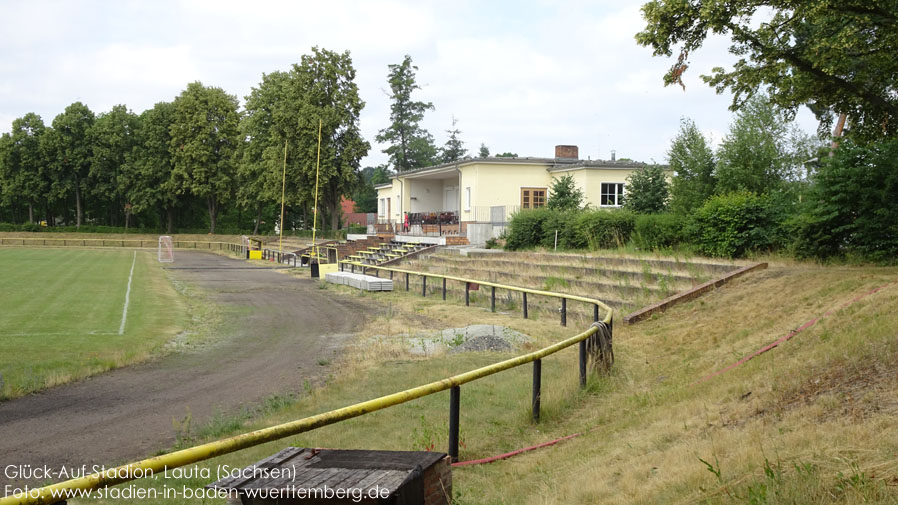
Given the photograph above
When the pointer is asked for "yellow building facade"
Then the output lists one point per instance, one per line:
(490, 190)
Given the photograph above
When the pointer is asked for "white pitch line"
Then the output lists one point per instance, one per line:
(121, 329)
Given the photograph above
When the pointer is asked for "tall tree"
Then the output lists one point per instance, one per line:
(112, 137)
(454, 149)
(693, 164)
(68, 151)
(148, 182)
(268, 123)
(756, 155)
(647, 190)
(835, 56)
(325, 83)
(484, 151)
(22, 163)
(410, 145)
(204, 142)
(365, 196)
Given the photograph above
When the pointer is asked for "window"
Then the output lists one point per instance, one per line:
(612, 194)
(468, 198)
(533, 198)
(380, 207)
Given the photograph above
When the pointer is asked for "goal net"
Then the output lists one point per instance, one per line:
(166, 249)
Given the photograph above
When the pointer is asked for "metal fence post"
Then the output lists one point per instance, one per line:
(454, 401)
(406, 282)
(564, 312)
(444, 288)
(595, 313)
(525, 305)
(423, 285)
(467, 293)
(493, 299)
(537, 379)
(582, 363)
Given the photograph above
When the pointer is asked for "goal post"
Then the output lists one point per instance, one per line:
(166, 249)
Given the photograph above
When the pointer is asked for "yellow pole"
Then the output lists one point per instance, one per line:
(315, 209)
(283, 194)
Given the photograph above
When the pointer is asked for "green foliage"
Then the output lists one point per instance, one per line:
(578, 229)
(647, 190)
(410, 145)
(605, 229)
(733, 224)
(658, 231)
(112, 137)
(329, 93)
(693, 163)
(852, 206)
(484, 151)
(507, 155)
(526, 229)
(565, 194)
(836, 56)
(564, 222)
(150, 184)
(454, 149)
(364, 195)
(23, 164)
(757, 155)
(67, 150)
(204, 143)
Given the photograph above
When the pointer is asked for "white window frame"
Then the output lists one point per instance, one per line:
(468, 198)
(618, 196)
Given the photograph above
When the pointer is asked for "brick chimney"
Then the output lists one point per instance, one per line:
(567, 152)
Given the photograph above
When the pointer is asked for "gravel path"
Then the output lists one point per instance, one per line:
(276, 329)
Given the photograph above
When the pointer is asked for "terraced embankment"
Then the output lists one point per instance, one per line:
(625, 283)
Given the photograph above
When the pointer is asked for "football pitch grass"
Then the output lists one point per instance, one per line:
(66, 314)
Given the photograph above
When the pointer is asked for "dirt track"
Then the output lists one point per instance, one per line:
(277, 328)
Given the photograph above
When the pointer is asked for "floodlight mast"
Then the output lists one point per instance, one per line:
(315, 208)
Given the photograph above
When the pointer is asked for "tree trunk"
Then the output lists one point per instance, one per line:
(30, 212)
(213, 213)
(258, 220)
(335, 216)
(77, 203)
(170, 220)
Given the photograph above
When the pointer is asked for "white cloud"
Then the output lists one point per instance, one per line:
(520, 77)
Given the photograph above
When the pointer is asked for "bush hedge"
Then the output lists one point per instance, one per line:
(659, 231)
(594, 229)
(733, 224)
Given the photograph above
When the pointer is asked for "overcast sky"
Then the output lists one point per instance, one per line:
(519, 76)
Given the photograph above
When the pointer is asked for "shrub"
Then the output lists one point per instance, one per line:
(564, 222)
(730, 225)
(852, 207)
(605, 229)
(526, 229)
(657, 231)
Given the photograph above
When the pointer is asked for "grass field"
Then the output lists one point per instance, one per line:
(63, 314)
(811, 421)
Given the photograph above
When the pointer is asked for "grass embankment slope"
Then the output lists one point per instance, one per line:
(811, 421)
(62, 311)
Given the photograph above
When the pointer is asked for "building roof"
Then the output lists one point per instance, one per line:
(552, 165)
